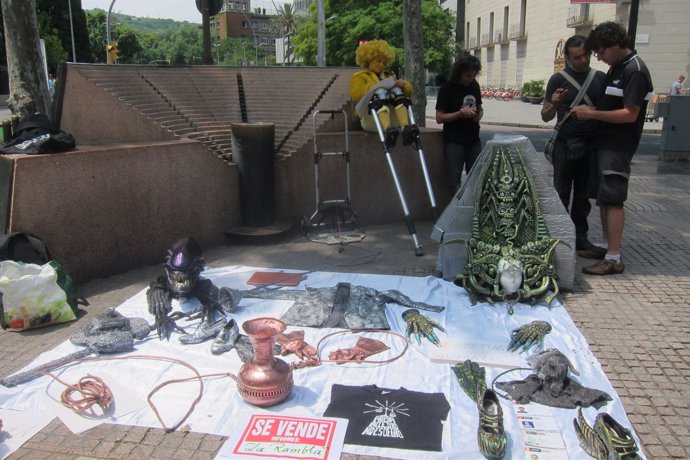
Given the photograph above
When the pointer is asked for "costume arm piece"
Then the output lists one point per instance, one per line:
(159, 301)
(529, 335)
(360, 83)
(159, 298)
(419, 326)
(398, 297)
(407, 88)
(364, 348)
(223, 300)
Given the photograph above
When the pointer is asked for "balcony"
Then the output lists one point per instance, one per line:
(486, 40)
(518, 32)
(501, 38)
(578, 16)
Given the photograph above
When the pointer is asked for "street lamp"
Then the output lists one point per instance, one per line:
(320, 35)
(71, 30)
(107, 22)
(217, 46)
(109, 44)
(256, 44)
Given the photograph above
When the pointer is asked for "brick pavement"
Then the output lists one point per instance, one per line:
(636, 323)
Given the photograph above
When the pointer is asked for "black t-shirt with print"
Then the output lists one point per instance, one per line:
(382, 417)
(451, 98)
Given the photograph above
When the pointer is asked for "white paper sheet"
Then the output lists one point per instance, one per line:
(19, 427)
(124, 402)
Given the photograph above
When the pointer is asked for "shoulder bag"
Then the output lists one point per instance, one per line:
(582, 93)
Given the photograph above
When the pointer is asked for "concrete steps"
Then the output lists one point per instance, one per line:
(201, 102)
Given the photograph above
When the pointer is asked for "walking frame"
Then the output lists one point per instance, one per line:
(335, 218)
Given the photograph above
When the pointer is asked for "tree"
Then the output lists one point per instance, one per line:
(185, 46)
(285, 24)
(350, 21)
(29, 92)
(414, 57)
(156, 43)
(95, 23)
(129, 45)
(55, 15)
(55, 53)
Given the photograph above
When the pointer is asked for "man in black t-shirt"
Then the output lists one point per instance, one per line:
(572, 151)
(621, 109)
(459, 109)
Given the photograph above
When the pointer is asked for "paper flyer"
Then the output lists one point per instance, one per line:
(540, 432)
(262, 436)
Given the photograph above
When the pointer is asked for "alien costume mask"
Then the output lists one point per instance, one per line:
(181, 280)
(510, 254)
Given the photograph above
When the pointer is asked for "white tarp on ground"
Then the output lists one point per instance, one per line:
(219, 409)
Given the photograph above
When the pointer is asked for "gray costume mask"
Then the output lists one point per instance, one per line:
(551, 386)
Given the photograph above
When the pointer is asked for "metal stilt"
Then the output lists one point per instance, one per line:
(422, 160)
(418, 250)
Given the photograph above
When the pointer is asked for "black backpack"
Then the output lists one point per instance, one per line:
(24, 247)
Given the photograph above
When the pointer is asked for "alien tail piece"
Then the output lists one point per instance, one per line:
(510, 254)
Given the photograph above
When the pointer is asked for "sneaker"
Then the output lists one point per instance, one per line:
(617, 439)
(491, 436)
(605, 267)
(592, 252)
(226, 338)
(204, 331)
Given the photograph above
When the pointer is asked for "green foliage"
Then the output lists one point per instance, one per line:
(55, 53)
(350, 21)
(95, 24)
(54, 20)
(533, 88)
(181, 44)
(154, 25)
(235, 51)
(285, 24)
(184, 46)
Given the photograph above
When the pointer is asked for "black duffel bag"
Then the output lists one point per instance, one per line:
(37, 135)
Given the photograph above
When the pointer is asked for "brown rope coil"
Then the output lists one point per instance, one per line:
(93, 392)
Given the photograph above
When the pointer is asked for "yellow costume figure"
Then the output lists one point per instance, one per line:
(375, 57)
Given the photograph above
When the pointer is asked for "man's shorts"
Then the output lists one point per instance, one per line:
(612, 175)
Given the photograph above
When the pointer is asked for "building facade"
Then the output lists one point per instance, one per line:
(237, 20)
(522, 40)
(300, 6)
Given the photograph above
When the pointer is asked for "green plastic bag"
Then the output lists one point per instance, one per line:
(33, 296)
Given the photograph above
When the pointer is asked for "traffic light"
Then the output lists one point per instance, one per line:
(111, 52)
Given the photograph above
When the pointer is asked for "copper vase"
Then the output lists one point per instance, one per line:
(265, 380)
